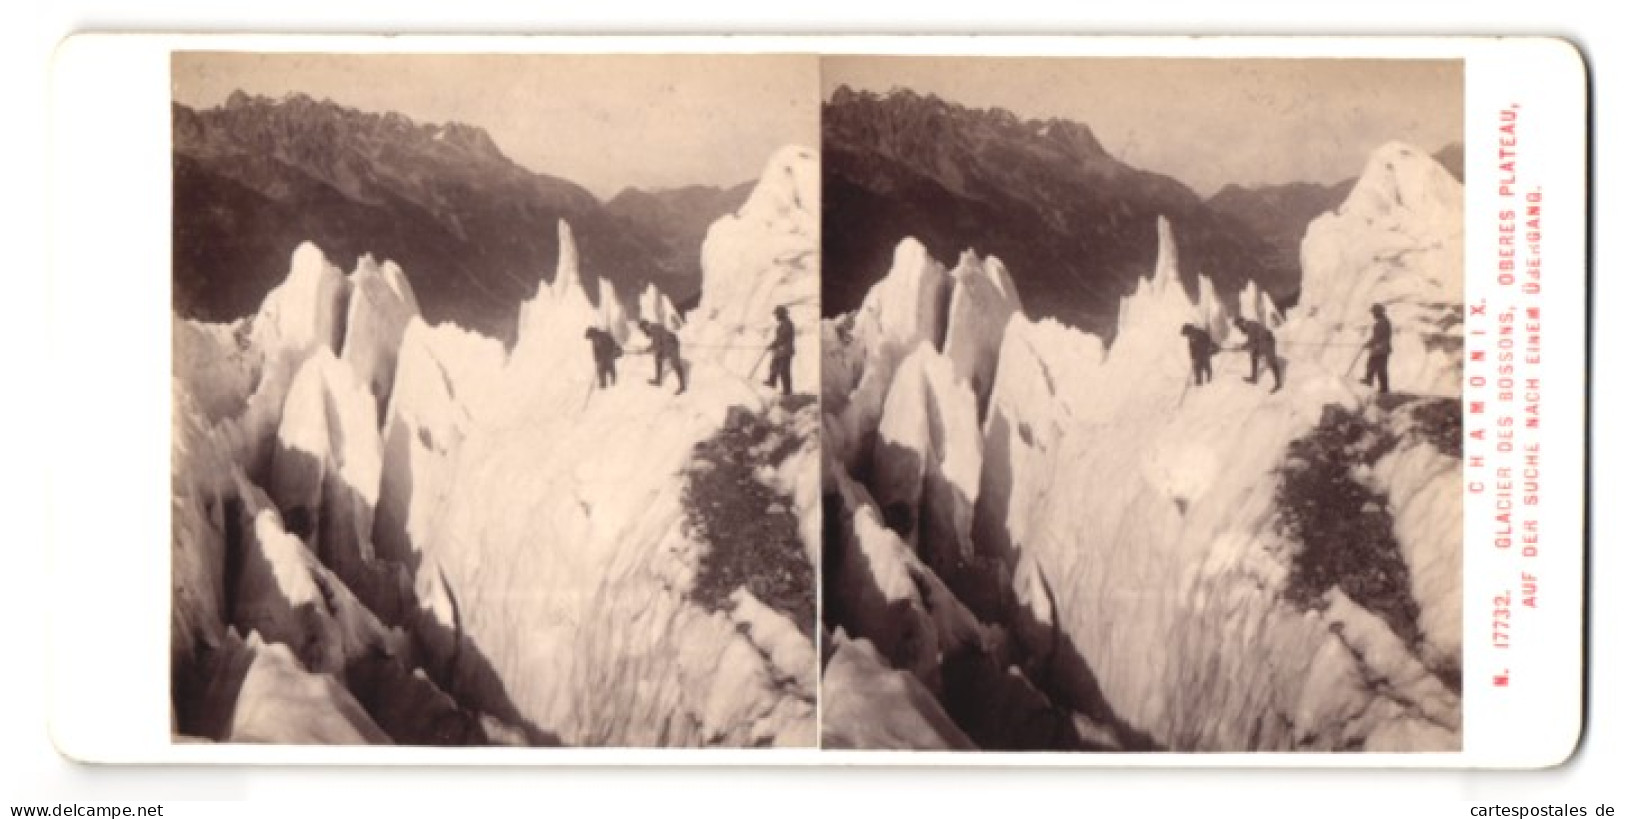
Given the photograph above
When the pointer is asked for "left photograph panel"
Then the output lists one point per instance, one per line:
(494, 399)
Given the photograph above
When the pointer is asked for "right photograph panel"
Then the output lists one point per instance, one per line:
(1141, 404)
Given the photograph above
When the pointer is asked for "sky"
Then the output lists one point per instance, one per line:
(657, 121)
(604, 122)
(1205, 122)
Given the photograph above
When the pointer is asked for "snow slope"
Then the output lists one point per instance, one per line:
(1127, 540)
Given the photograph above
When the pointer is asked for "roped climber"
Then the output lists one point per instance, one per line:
(1202, 350)
(665, 346)
(1260, 344)
(604, 352)
(1379, 346)
(782, 350)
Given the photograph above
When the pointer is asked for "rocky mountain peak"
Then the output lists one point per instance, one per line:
(297, 117)
(903, 110)
(1076, 137)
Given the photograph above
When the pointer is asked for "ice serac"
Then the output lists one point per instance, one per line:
(654, 307)
(230, 386)
(284, 595)
(907, 306)
(218, 365)
(445, 380)
(872, 706)
(1166, 272)
(984, 298)
(200, 483)
(1213, 316)
(381, 304)
(328, 624)
(1256, 305)
(550, 349)
(230, 391)
(762, 257)
(560, 311)
(1396, 241)
(325, 473)
(1040, 394)
(238, 374)
(277, 594)
(928, 458)
(307, 310)
(567, 284)
(612, 311)
(1158, 306)
(280, 702)
(325, 478)
(918, 638)
(861, 351)
(880, 591)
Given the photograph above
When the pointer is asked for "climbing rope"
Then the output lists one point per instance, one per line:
(722, 346)
(1321, 345)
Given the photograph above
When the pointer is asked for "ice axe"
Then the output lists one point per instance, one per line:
(1349, 373)
(1182, 390)
(751, 374)
(759, 359)
(591, 386)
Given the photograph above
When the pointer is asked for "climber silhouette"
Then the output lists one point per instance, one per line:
(666, 348)
(1260, 344)
(604, 352)
(783, 349)
(1202, 350)
(1380, 346)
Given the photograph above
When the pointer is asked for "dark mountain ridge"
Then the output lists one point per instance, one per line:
(474, 231)
(677, 219)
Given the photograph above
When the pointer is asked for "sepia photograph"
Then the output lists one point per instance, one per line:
(1141, 400)
(494, 411)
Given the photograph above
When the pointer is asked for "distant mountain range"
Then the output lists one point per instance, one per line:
(1279, 214)
(474, 231)
(676, 219)
(1075, 226)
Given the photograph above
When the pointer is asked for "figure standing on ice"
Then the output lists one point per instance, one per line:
(1380, 346)
(604, 352)
(1260, 344)
(1202, 350)
(783, 349)
(666, 348)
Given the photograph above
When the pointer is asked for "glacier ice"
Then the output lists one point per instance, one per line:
(1125, 530)
(428, 538)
